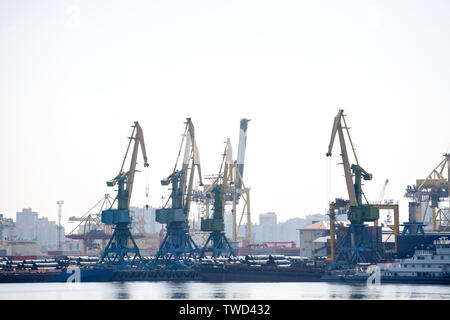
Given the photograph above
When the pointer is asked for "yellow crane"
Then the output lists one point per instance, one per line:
(356, 245)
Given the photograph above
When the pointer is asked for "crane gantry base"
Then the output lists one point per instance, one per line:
(353, 247)
(121, 252)
(220, 246)
(176, 249)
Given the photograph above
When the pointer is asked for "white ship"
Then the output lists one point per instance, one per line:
(425, 266)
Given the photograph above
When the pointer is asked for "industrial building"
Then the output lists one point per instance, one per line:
(7, 228)
(312, 243)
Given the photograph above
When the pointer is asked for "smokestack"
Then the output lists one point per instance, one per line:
(241, 150)
(59, 203)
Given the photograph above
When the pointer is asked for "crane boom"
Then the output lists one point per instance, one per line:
(191, 155)
(125, 179)
(138, 140)
(337, 127)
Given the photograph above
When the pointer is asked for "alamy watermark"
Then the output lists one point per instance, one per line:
(74, 280)
(374, 279)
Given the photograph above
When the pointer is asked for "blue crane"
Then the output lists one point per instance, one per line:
(177, 247)
(121, 250)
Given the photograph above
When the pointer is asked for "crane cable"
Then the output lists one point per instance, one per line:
(176, 162)
(181, 147)
(327, 180)
(124, 159)
(147, 186)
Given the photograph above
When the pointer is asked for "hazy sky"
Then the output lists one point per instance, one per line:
(74, 75)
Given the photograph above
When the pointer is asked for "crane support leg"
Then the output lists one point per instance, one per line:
(356, 247)
(121, 250)
(220, 247)
(176, 249)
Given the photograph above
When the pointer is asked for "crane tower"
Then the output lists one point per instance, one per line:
(356, 245)
(217, 242)
(177, 247)
(121, 250)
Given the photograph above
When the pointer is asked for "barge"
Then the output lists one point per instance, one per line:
(57, 275)
(261, 269)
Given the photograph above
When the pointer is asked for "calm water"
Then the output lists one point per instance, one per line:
(230, 291)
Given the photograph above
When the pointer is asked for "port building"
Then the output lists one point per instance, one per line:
(311, 244)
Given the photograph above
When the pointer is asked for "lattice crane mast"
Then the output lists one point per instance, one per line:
(432, 190)
(91, 225)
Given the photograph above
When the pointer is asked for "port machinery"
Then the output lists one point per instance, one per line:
(227, 187)
(356, 243)
(432, 190)
(217, 242)
(91, 226)
(236, 189)
(177, 248)
(121, 251)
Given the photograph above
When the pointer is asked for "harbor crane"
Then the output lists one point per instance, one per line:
(121, 250)
(91, 225)
(356, 245)
(177, 247)
(431, 191)
(237, 189)
(217, 242)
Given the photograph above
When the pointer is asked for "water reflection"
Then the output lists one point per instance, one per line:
(122, 290)
(356, 296)
(178, 290)
(357, 292)
(217, 291)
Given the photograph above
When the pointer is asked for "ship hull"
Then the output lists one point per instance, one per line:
(386, 279)
(98, 275)
(155, 275)
(85, 275)
(261, 275)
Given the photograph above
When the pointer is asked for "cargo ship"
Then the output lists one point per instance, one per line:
(251, 268)
(261, 269)
(83, 269)
(66, 269)
(425, 266)
(61, 275)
